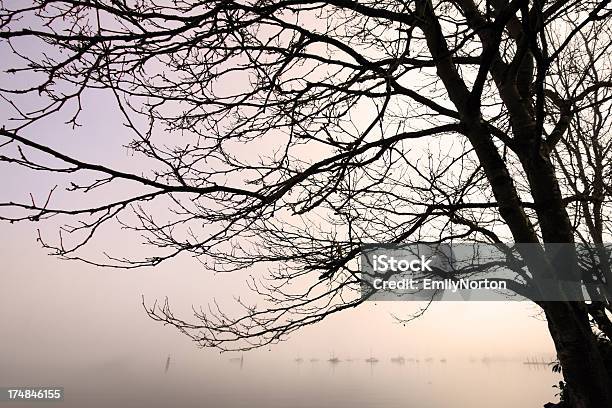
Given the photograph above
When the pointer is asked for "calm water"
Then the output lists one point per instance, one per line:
(262, 381)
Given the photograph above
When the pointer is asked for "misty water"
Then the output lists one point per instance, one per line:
(263, 381)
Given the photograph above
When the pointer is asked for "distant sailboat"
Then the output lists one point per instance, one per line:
(333, 359)
(167, 364)
(398, 360)
(372, 359)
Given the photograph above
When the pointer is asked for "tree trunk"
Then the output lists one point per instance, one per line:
(584, 371)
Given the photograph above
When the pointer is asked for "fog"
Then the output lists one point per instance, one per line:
(84, 328)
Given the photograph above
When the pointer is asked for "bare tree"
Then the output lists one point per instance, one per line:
(292, 134)
(585, 161)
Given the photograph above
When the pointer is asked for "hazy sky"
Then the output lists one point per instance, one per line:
(54, 309)
(67, 316)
